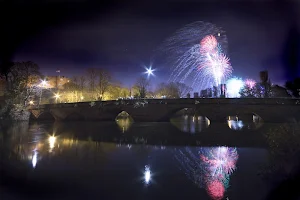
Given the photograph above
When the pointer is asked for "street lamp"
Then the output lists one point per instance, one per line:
(56, 96)
(31, 102)
(149, 71)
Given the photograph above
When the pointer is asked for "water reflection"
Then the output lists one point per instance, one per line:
(124, 121)
(191, 123)
(52, 140)
(209, 168)
(237, 123)
(147, 175)
(34, 158)
(80, 159)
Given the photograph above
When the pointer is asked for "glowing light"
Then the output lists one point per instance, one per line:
(197, 52)
(43, 83)
(31, 102)
(235, 124)
(34, 158)
(57, 96)
(234, 86)
(147, 175)
(52, 140)
(149, 71)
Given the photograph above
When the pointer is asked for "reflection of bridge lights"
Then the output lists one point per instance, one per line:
(34, 158)
(147, 175)
(52, 140)
(235, 124)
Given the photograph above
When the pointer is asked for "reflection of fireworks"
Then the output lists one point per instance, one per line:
(191, 165)
(220, 163)
(211, 169)
(197, 50)
(216, 189)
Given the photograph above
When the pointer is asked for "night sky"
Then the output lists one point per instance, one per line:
(123, 36)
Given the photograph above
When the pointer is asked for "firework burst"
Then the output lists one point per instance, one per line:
(197, 55)
(234, 86)
(250, 83)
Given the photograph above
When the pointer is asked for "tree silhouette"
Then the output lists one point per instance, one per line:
(142, 85)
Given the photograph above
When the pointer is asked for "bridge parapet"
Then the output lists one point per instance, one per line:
(243, 101)
(216, 109)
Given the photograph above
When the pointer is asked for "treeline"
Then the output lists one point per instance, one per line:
(24, 84)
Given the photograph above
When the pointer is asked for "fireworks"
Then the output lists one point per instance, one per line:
(234, 86)
(250, 83)
(197, 55)
(209, 168)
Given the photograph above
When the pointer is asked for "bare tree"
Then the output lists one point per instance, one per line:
(182, 89)
(173, 90)
(75, 80)
(92, 78)
(82, 81)
(71, 89)
(104, 79)
(142, 85)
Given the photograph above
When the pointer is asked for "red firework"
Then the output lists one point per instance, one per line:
(208, 43)
(216, 190)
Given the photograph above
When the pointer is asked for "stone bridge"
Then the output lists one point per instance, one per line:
(157, 110)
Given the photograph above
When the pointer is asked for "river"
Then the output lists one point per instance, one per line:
(122, 159)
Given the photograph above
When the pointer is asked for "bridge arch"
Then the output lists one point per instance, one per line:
(189, 120)
(123, 114)
(46, 116)
(43, 116)
(124, 121)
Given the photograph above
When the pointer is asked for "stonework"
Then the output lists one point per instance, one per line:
(272, 110)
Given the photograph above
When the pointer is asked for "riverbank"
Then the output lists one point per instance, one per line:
(14, 112)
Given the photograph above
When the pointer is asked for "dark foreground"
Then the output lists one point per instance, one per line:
(146, 161)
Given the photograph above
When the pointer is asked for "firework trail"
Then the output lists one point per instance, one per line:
(210, 168)
(197, 54)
